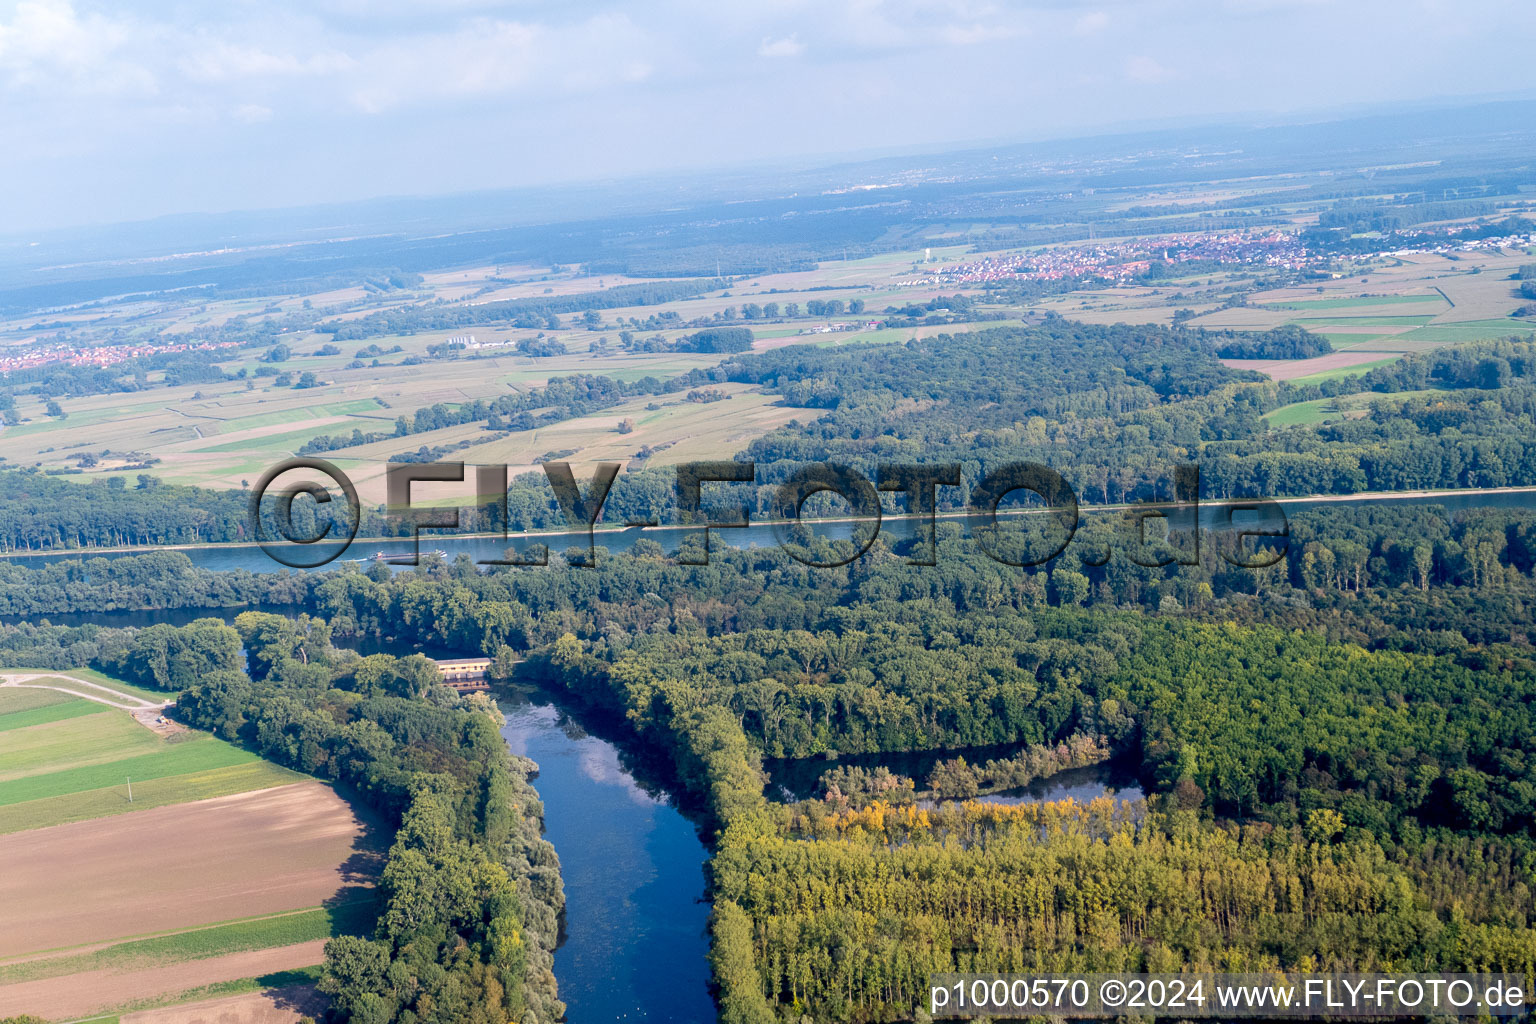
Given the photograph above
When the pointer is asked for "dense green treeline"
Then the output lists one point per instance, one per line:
(1408, 576)
(39, 512)
(156, 580)
(1289, 342)
(876, 665)
(849, 926)
(1251, 722)
(472, 891)
(1486, 365)
(1378, 787)
(1113, 409)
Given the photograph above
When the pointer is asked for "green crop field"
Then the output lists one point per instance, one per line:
(1362, 321)
(14, 699)
(1363, 300)
(1302, 413)
(295, 415)
(294, 439)
(56, 712)
(1323, 409)
(196, 754)
(1343, 371)
(86, 418)
(107, 735)
(1474, 330)
(147, 794)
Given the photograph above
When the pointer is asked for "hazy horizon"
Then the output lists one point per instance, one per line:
(127, 113)
(830, 161)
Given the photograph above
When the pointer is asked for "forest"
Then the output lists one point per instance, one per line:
(1335, 750)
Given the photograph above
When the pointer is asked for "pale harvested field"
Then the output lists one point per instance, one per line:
(278, 1006)
(713, 430)
(1137, 315)
(1482, 296)
(177, 867)
(77, 995)
(1243, 318)
(1347, 328)
(691, 431)
(1290, 369)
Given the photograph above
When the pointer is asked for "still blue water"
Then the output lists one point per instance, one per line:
(635, 919)
(798, 779)
(1082, 784)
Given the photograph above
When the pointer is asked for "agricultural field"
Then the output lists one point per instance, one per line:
(225, 433)
(278, 998)
(240, 868)
(1344, 407)
(1307, 369)
(684, 431)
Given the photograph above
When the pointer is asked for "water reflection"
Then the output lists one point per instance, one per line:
(797, 779)
(1082, 784)
(635, 944)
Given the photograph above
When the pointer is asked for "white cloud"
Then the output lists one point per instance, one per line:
(1147, 71)
(253, 113)
(103, 96)
(978, 33)
(217, 61)
(49, 47)
(788, 46)
(893, 24)
(488, 57)
(1090, 23)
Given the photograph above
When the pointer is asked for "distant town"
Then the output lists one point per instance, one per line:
(64, 353)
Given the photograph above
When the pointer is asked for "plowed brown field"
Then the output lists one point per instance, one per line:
(76, 995)
(178, 867)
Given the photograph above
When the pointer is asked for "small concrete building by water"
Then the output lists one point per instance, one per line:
(466, 674)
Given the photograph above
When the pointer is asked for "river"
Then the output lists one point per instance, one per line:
(635, 943)
(253, 559)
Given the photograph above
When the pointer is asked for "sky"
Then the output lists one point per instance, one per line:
(130, 109)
